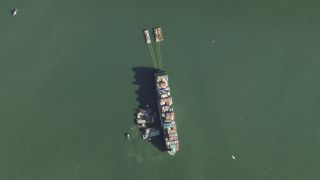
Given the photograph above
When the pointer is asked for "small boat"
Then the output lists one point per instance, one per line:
(14, 12)
(127, 136)
(147, 36)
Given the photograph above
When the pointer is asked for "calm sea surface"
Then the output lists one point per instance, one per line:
(69, 87)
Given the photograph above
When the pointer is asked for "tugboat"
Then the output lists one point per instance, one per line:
(150, 132)
(158, 34)
(147, 36)
(14, 12)
(144, 116)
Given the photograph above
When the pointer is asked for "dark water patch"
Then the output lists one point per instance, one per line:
(147, 97)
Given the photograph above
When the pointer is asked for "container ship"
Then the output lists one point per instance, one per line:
(166, 113)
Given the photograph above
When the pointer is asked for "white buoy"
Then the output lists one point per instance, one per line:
(233, 157)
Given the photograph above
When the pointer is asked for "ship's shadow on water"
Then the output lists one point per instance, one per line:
(146, 96)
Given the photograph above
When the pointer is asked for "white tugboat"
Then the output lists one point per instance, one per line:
(147, 36)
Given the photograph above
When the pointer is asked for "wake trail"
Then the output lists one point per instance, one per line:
(153, 57)
(160, 63)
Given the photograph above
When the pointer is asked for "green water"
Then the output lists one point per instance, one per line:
(67, 93)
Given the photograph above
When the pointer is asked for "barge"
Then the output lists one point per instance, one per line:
(166, 113)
